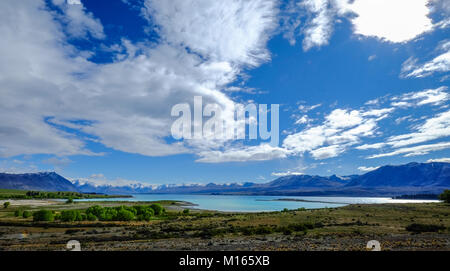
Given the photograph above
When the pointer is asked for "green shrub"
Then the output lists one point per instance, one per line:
(6, 204)
(445, 196)
(18, 213)
(124, 215)
(419, 228)
(264, 230)
(97, 211)
(287, 231)
(186, 211)
(299, 227)
(71, 215)
(109, 215)
(91, 217)
(26, 214)
(43, 215)
(146, 214)
(157, 208)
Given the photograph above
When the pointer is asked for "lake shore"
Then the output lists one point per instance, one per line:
(31, 202)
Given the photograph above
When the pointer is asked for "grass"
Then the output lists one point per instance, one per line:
(371, 221)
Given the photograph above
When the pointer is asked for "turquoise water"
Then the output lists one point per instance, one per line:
(227, 203)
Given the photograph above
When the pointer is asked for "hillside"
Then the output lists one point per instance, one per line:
(44, 181)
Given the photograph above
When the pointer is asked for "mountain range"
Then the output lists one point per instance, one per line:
(412, 178)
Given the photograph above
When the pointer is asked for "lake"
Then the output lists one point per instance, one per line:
(239, 203)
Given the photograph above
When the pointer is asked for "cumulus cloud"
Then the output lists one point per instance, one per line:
(50, 89)
(391, 21)
(235, 31)
(78, 21)
(261, 152)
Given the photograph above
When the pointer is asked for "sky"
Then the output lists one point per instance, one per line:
(87, 87)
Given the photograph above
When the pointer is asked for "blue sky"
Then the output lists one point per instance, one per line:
(87, 86)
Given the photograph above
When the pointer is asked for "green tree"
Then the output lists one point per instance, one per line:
(146, 214)
(71, 215)
(124, 215)
(186, 211)
(6, 204)
(43, 215)
(110, 214)
(97, 211)
(91, 217)
(69, 200)
(157, 208)
(445, 196)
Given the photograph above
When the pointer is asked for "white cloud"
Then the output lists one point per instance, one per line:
(414, 151)
(440, 63)
(378, 112)
(327, 152)
(341, 118)
(425, 97)
(101, 180)
(79, 23)
(433, 128)
(261, 152)
(305, 108)
(442, 9)
(319, 29)
(235, 31)
(287, 173)
(290, 22)
(394, 21)
(367, 169)
(340, 130)
(439, 160)
(371, 146)
(125, 105)
(303, 120)
(344, 128)
(372, 57)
